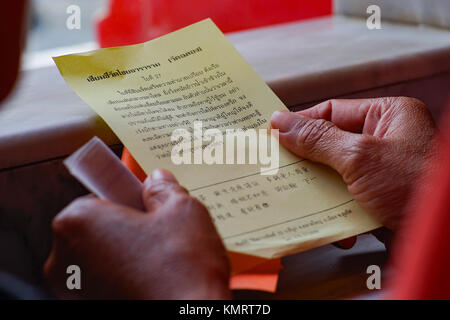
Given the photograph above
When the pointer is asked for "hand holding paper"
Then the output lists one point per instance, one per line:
(126, 253)
(145, 92)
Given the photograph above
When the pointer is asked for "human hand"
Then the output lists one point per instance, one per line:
(172, 251)
(379, 146)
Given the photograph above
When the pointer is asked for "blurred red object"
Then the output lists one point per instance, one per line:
(422, 255)
(12, 33)
(134, 21)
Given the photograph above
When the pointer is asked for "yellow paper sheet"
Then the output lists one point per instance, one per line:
(146, 91)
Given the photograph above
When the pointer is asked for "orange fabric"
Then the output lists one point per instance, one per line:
(248, 272)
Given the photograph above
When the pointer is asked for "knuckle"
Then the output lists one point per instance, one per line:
(402, 104)
(409, 109)
(415, 106)
(408, 102)
(160, 186)
(73, 217)
(312, 132)
(183, 200)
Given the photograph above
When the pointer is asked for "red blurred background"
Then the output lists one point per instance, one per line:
(134, 21)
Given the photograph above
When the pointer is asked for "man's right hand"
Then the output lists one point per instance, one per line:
(379, 146)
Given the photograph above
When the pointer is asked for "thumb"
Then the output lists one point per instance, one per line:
(314, 139)
(158, 188)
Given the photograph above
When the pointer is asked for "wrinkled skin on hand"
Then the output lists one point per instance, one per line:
(379, 146)
(172, 251)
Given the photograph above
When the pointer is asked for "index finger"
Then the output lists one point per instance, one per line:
(88, 212)
(346, 114)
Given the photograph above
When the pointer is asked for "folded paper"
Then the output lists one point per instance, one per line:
(102, 172)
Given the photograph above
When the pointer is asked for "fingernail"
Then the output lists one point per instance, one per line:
(160, 174)
(283, 120)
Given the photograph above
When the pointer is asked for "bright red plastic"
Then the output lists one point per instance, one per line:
(134, 21)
